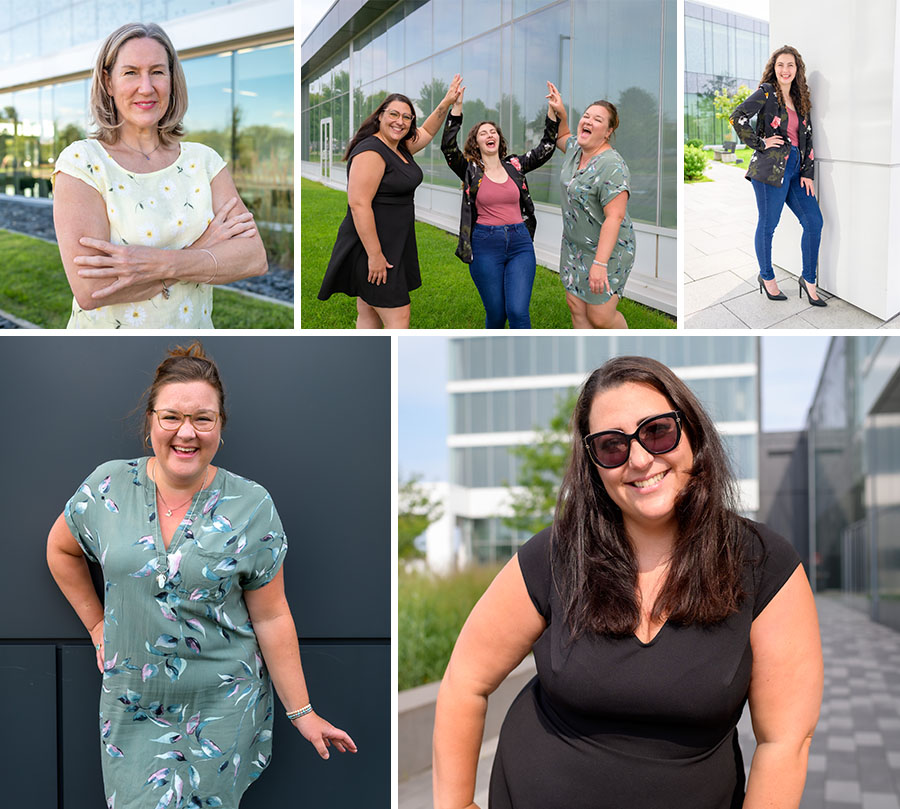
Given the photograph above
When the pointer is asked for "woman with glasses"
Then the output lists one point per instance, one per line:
(147, 223)
(194, 621)
(375, 258)
(654, 612)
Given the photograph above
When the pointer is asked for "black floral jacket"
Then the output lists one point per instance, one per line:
(768, 165)
(517, 166)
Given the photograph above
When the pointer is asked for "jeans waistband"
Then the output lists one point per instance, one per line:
(498, 228)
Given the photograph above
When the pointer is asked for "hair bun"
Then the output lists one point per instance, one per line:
(195, 350)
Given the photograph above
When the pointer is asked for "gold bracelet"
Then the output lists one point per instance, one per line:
(216, 263)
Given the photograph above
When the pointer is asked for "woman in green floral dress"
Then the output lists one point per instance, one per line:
(194, 619)
(597, 251)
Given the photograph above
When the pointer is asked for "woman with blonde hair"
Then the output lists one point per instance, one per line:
(147, 222)
(782, 167)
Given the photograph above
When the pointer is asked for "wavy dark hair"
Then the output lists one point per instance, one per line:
(470, 148)
(799, 89)
(594, 565)
(371, 125)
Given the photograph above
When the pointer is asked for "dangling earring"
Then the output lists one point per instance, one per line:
(221, 441)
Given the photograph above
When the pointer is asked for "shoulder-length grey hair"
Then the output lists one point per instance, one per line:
(103, 108)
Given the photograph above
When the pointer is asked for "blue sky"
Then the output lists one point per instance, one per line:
(790, 371)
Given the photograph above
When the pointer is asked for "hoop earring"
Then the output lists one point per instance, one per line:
(221, 441)
(147, 441)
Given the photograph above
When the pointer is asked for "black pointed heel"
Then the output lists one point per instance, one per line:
(762, 288)
(812, 301)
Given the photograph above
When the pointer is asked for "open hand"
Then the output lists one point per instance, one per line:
(458, 104)
(226, 225)
(807, 185)
(321, 734)
(454, 91)
(555, 102)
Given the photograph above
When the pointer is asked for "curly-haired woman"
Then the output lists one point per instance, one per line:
(497, 222)
(782, 168)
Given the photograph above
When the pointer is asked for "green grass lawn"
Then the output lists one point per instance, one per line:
(741, 154)
(33, 287)
(447, 298)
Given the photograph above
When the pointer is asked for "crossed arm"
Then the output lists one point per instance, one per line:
(102, 273)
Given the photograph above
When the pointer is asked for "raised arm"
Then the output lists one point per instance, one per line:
(274, 627)
(497, 635)
(556, 109)
(449, 142)
(540, 154)
(433, 122)
(132, 266)
(70, 571)
(785, 695)
(366, 172)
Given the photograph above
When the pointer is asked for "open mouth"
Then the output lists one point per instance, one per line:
(145, 105)
(185, 452)
(490, 143)
(648, 482)
(585, 129)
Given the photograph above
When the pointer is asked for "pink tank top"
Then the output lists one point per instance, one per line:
(498, 203)
(793, 128)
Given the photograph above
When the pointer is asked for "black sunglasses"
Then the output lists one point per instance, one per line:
(656, 434)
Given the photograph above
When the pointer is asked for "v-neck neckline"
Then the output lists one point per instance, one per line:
(652, 640)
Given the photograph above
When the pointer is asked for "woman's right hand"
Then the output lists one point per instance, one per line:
(775, 140)
(458, 104)
(224, 226)
(96, 634)
(555, 102)
(378, 267)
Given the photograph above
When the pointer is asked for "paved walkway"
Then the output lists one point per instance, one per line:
(720, 269)
(855, 755)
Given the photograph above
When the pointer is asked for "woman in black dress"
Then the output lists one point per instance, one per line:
(375, 257)
(654, 612)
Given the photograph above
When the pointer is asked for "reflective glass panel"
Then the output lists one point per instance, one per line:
(479, 16)
(418, 30)
(447, 23)
(209, 114)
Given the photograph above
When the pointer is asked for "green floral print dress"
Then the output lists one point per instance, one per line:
(169, 208)
(583, 196)
(186, 701)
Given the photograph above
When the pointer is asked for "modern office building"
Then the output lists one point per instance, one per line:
(506, 51)
(721, 50)
(504, 388)
(854, 474)
(237, 57)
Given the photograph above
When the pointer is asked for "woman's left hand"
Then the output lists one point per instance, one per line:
(321, 734)
(555, 102)
(598, 280)
(453, 92)
(127, 264)
(807, 185)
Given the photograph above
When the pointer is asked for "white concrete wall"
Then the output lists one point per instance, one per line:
(652, 280)
(853, 70)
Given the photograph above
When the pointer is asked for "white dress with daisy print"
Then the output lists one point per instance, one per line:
(169, 208)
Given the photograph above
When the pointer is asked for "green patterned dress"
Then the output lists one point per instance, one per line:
(186, 702)
(584, 194)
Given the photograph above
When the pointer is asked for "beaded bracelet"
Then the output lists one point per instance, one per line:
(292, 715)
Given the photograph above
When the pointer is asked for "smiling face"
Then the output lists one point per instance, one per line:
(488, 139)
(646, 486)
(140, 84)
(594, 128)
(785, 68)
(395, 121)
(183, 455)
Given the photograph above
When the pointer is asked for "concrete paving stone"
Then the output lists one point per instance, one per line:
(715, 317)
(893, 759)
(759, 312)
(840, 722)
(708, 292)
(840, 704)
(816, 762)
(876, 800)
(726, 258)
(868, 738)
(845, 744)
(888, 723)
(842, 791)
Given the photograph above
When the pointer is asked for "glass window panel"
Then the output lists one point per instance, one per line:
(524, 6)
(481, 71)
(500, 475)
(84, 22)
(70, 113)
(721, 52)
(479, 16)
(669, 177)
(27, 171)
(500, 408)
(445, 65)
(25, 41)
(523, 410)
(480, 467)
(693, 45)
(541, 51)
(477, 358)
(480, 409)
(209, 114)
(394, 39)
(546, 406)
(566, 355)
(379, 50)
(8, 126)
(6, 54)
(447, 23)
(418, 30)
(499, 356)
(523, 355)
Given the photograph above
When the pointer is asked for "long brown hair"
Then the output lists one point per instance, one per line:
(373, 123)
(594, 564)
(470, 148)
(799, 89)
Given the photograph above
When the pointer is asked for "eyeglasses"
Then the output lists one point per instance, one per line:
(395, 115)
(203, 421)
(656, 434)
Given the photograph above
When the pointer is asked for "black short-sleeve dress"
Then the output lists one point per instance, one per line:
(395, 216)
(619, 724)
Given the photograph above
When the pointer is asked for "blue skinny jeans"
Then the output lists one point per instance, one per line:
(503, 267)
(770, 202)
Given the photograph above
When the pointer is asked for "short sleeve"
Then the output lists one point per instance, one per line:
(571, 142)
(76, 161)
(213, 162)
(776, 562)
(614, 182)
(266, 533)
(80, 512)
(534, 562)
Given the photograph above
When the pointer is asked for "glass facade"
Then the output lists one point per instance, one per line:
(501, 387)
(854, 452)
(506, 50)
(721, 50)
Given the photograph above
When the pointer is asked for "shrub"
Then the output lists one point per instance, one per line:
(695, 161)
(694, 142)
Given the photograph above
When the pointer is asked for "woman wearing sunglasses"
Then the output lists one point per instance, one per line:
(194, 628)
(654, 612)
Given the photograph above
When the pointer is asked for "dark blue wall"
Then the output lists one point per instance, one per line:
(309, 419)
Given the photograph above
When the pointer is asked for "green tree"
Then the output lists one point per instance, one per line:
(416, 510)
(725, 102)
(541, 467)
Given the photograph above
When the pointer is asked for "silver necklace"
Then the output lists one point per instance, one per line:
(141, 151)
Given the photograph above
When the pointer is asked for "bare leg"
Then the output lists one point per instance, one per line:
(395, 317)
(605, 315)
(578, 310)
(366, 316)
(772, 285)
